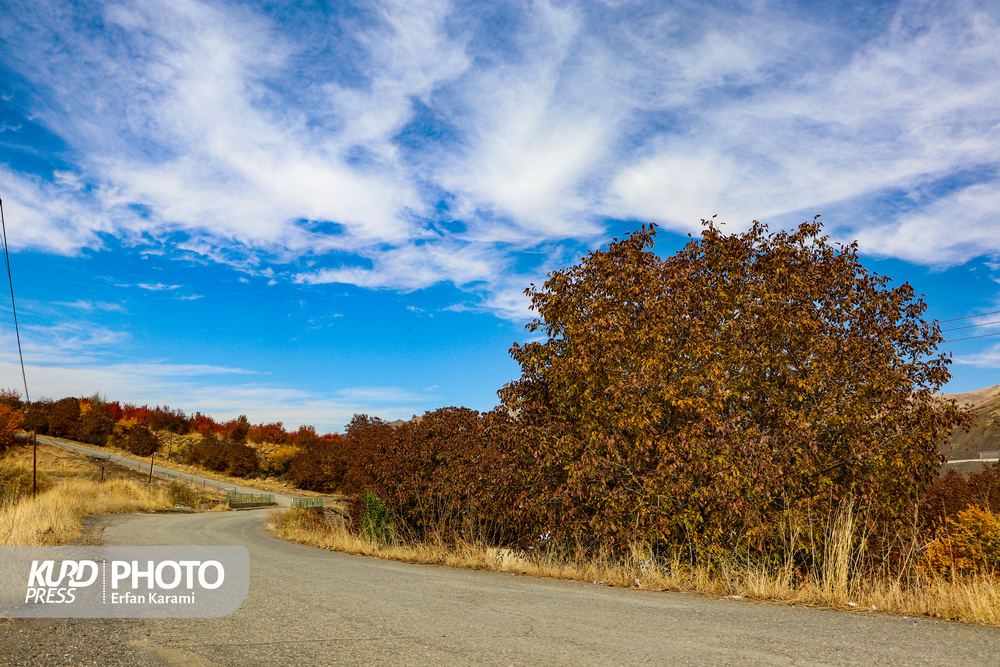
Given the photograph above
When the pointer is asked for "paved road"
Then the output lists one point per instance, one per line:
(159, 471)
(312, 607)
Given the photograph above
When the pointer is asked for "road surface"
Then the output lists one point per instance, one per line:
(312, 607)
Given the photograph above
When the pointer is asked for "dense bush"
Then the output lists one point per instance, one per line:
(969, 544)
(277, 463)
(237, 430)
(36, 416)
(135, 438)
(11, 398)
(96, 424)
(223, 455)
(271, 434)
(11, 420)
(64, 419)
(697, 400)
(323, 464)
(952, 493)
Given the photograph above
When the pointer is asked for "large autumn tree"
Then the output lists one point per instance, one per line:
(699, 398)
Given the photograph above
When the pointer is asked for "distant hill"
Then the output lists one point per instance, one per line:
(985, 432)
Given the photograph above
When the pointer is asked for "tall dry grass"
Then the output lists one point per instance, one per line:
(70, 491)
(57, 516)
(837, 581)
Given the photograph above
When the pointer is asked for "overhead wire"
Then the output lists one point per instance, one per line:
(10, 281)
(972, 326)
(968, 317)
(955, 340)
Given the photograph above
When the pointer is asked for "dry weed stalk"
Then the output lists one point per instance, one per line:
(840, 579)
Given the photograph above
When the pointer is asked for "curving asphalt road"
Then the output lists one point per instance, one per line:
(312, 607)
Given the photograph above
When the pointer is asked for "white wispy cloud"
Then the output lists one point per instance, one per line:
(88, 305)
(206, 389)
(266, 141)
(988, 358)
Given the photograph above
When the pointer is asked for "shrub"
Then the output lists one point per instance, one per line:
(241, 460)
(278, 462)
(36, 416)
(237, 430)
(272, 434)
(951, 493)
(135, 438)
(223, 455)
(699, 398)
(182, 494)
(377, 522)
(11, 421)
(64, 419)
(325, 464)
(970, 545)
(11, 398)
(96, 424)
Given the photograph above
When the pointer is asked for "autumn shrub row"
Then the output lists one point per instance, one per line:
(732, 398)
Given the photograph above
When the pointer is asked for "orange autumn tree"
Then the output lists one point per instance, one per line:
(697, 400)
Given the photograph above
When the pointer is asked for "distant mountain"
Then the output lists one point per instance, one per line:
(985, 432)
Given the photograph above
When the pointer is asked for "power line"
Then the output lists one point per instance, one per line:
(972, 326)
(971, 337)
(968, 317)
(17, 331)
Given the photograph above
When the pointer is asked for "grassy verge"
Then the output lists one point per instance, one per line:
(975, 600)
(71, 490)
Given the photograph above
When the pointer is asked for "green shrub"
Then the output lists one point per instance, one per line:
(377, 520)
(182, 494)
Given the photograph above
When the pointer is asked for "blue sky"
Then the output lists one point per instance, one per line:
(299, 211)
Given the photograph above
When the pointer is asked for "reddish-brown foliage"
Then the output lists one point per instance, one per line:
(951, 493)
(273, 434)
(11, 419)
(64, 419)
(223, 455)
(11, 398)
(237, 429)
(697, 399)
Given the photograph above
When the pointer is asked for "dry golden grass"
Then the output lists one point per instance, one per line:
(57, 516)
(974, 600)
(70, 491)
(53, 461)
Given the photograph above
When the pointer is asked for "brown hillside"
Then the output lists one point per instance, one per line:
(985, 432)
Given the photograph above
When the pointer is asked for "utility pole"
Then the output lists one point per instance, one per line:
(34, 464)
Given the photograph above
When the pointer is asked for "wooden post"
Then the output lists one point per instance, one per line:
(34, 464)
(151, 457)
(102, 473)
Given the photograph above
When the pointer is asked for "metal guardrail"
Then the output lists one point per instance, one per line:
(307, 502)
(239, 500)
